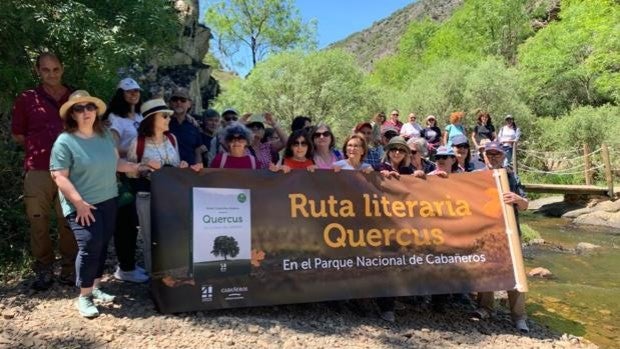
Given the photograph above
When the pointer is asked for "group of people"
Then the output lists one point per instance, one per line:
(101, 156)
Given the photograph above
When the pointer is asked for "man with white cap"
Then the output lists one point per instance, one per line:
(35, 125)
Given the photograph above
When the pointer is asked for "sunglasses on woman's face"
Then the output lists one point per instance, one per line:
(400, 150)
(300, 144)
(80, 108)
(322, 134)
(236, 138)
(442, 157)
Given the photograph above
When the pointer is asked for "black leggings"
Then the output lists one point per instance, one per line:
(125, 236)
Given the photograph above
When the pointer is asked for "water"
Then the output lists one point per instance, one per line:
(583, 298)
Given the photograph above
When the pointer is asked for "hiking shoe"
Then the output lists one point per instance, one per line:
(481, 313)
(102, 296)
(388, 316)
(521, 325)
(131, 276)
(86, 307)
(67, 279)
(43, 280)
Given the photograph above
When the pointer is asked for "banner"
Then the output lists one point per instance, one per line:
(238, 238)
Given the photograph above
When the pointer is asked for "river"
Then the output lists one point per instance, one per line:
(583, 297)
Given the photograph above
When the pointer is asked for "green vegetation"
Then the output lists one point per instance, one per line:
(528, 234)
(262, 26)
(553, 64)
(326, 85)
(95, 39)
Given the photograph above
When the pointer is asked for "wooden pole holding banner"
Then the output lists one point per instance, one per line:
(587, 163)
(608, 173)
(512, 230)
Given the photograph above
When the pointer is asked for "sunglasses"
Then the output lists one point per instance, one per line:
(178, 99)
(394, 114)
(235, 138)
(322, 134)
(80, 108)
(300, 144)
(400, 150)
(442, 157)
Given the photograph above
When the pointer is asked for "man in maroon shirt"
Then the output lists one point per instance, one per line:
(35, 125)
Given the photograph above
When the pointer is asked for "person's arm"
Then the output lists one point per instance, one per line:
(444, 139)
(18, 123)
(19, 139)
(473, 139)
(279, 145)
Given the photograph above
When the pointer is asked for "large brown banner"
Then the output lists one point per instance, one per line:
(236, 238)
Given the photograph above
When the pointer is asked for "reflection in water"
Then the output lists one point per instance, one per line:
(584, 297)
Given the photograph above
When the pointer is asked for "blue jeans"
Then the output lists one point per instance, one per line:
(93, 242)
(508, 160)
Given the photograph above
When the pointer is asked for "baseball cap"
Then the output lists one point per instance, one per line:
(494, 146)
(458, 140)
(445, 151)
(128, 84)
(181, 92)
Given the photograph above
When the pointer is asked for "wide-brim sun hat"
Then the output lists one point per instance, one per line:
(397, 142)
(81, 96)
(431, 117)
(153, 106)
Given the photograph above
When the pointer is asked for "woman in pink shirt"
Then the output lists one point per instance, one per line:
(324, 144)
(237, 139)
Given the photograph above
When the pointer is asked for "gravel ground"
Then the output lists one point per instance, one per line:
(49, 320)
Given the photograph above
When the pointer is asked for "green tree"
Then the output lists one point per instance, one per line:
(573, 61)
(225, 246)
(262, 26)
(326, 85)
(94, 39)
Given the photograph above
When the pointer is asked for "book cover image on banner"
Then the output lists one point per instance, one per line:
(222, 228)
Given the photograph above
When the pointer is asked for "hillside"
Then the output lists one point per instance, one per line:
(381, 39)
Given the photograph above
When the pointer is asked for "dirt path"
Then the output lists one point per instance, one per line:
(49, 320)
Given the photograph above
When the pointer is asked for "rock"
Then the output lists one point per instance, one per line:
(540, 272)
(253, 329)
(605, 312)
(8, 314)
(585, 247)
(537, 242)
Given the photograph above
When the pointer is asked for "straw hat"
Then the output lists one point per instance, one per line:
(81, 96)
(153, 106)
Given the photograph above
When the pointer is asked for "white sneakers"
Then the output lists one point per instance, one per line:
(136, 275)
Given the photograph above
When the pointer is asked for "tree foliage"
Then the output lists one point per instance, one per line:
(94, 39)
(225, 246)
(326, 85)
(573, 61)
(262, 26)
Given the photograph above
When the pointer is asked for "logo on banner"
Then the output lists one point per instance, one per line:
(234, 293)
(206, 293)
(241, 198)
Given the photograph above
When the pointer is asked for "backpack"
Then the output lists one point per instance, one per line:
(141, 141)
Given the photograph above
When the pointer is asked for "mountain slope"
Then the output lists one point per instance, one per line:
(381, 39)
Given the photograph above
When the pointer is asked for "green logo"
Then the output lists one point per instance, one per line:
(241, 198)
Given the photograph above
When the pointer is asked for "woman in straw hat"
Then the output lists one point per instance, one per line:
(154, 144)
(83, 164)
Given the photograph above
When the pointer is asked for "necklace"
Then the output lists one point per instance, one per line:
(164, 159)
